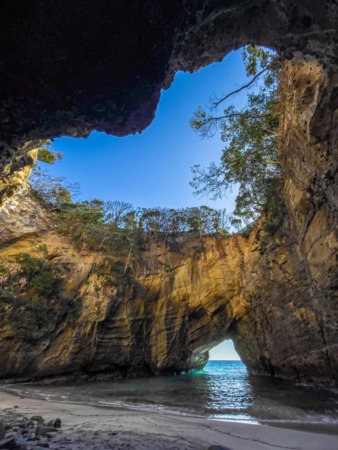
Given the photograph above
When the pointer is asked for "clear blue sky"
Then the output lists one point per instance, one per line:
(153, 168)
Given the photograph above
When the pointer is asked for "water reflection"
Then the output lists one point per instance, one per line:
(278, 400)
(222, 390)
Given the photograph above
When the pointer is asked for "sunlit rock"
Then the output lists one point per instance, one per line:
(67, 69)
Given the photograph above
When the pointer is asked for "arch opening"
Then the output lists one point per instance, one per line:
(225, 351)
(127, 169)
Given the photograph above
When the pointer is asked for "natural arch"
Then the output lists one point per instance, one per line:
(67, 70)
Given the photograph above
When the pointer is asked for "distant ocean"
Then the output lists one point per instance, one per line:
(223, 390)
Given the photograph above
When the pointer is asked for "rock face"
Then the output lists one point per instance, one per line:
(279, 307)
(291, 328)
(175, 304)
(277, 301)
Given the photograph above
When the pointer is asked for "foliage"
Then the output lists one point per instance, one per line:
(32, 296)
(250, 158)
(54, 192)
(99, 223)
(47, 156)
(115, 227)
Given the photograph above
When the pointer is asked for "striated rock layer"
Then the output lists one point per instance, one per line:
(176, 303)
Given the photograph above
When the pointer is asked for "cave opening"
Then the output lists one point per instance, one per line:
(225, 351)
(147, 170)
(153, 168)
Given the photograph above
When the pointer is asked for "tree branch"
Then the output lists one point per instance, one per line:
(245, 86)
(229, 116)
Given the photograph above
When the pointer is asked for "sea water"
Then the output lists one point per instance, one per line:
(222, 390)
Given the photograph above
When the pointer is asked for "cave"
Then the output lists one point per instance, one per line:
(68, 69)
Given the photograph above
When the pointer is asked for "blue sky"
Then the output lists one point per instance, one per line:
(153, 168)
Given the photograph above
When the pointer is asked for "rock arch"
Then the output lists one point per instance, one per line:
(66, 69)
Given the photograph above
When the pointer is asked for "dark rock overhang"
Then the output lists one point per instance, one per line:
(70, 67)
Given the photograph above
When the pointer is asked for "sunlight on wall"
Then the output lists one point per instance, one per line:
(224, 351)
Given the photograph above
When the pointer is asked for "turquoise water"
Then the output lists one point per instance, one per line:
(223, 390)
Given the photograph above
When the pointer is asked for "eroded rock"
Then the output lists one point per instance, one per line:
(280, 307)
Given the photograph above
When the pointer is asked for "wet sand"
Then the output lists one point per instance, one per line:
(95, 428)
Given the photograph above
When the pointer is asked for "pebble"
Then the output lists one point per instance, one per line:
(10, 444)
(10, 435)
(18, 432)
(39, 448)
(52, 434)
(56, 423)
(43, 429)
(38, 419)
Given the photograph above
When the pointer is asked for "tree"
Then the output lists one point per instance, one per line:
(114, 226)
(117, 212)
(46, 155)
(250, 158)
(53, 191)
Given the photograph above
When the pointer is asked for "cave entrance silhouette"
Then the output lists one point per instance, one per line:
(128, 168)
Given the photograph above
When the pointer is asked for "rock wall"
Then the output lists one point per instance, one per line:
(291, 329)
(278, 302)
(280, 308)
(174, 305)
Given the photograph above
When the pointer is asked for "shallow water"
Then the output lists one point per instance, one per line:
(223, 390)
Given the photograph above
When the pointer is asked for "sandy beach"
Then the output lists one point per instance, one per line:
(94, 428)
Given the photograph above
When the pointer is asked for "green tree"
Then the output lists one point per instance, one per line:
(53, 191)
(33, 297)
(116, 212)
(250, 158)
(46, 155)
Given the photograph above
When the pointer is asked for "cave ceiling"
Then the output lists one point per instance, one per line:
(70, 67)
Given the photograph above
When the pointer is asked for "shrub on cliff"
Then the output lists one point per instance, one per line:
(32, 295)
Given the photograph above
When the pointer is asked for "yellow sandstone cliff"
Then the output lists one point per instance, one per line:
(188, 293)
